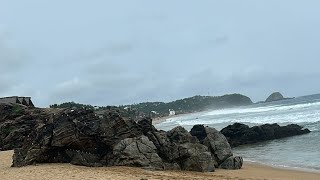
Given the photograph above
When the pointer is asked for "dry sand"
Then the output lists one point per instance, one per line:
(70, 172)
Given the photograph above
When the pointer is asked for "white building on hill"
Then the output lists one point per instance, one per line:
(172, 112)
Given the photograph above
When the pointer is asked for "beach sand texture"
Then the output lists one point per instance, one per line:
(71, 172)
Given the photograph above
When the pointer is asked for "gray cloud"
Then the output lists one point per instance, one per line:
(11, 62)
(125, 52)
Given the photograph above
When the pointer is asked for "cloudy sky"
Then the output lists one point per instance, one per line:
(105, 52)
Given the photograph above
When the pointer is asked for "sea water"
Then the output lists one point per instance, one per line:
(293, 152)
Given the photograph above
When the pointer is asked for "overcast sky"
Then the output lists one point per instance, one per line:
(105, 52)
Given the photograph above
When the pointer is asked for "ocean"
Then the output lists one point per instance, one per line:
(302, 152)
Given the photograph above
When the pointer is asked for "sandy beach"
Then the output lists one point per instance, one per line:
(67, 172)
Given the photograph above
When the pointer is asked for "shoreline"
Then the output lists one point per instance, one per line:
(159, 120)
(283, 167)
(250, 170)
(250, 162)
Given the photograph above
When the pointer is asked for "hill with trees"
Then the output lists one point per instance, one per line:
(192, 104)
(160, 109)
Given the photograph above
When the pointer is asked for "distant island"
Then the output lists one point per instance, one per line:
(161, 109)
(276, 96)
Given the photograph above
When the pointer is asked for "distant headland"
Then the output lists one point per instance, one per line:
(161, 109)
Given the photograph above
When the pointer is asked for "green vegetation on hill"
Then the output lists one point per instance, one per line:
(192, 104)
(159, 109)
(71, 105)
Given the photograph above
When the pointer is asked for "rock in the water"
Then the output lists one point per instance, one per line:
(276, 96)
(238, 134)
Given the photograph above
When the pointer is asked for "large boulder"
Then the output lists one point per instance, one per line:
(217, 144)
(196, 157)
(167, 150)
(180, 135)
(232, 163)
(238, 134)
(139, 151)
(180, 150)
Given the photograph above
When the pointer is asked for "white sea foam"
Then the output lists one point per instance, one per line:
(287, 152)
(297, 113)
(261, 109)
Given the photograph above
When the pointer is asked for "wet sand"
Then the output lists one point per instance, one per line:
(71, 172)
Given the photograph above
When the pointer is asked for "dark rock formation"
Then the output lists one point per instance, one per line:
(276, 96)
(139, 151)
(16, 122)
(238, 134)
(232, 163)
(80, 137)
(195, 156)
(218, 146)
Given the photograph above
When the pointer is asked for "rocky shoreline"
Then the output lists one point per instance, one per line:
(240, 134)
(80, 137)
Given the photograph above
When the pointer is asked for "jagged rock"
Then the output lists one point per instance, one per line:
(136, 152)
(238, 134)
(180, 135)
(16, 122)
(18, 157)
(214, 140)
(196, 157)
(232, 163)
(23, 157)
(84, 159)
(167, 150)
(276, 96)
(146, 125)
(80, 137)
(114, 128)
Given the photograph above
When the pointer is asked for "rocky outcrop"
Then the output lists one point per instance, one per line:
(276, 96)
(239, 134)
(80, 137)
(232, 163)
(138, 151)
(218, 146)
(16, 122)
